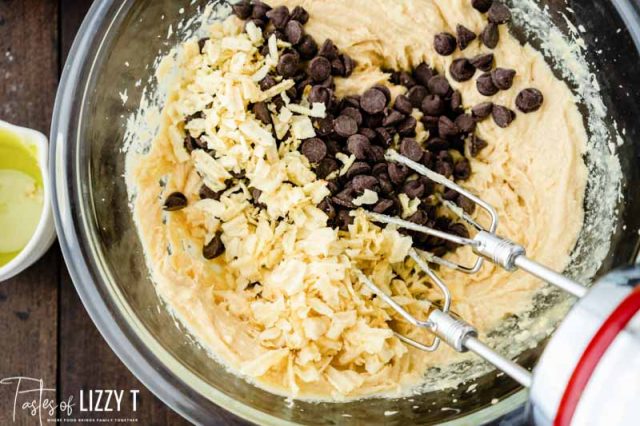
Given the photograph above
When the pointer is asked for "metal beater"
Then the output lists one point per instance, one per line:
(567, 369)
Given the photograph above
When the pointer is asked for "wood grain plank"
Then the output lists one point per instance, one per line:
(86, 361)
(28, 303)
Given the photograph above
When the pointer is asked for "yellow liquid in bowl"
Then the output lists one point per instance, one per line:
(21, 194)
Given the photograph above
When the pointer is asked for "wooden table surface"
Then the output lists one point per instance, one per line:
(45, 331)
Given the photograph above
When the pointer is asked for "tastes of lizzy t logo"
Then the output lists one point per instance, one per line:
(32, 399)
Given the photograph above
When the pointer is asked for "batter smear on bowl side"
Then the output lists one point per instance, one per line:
(250, 202)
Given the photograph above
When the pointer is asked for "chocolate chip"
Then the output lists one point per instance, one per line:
(447, 128)
(351, 101)
(324, 126)
(418, 217)
(328, 209)
(430, 122)
(503, 116)
(477, 145)
(373, 121)
(462, 69)
(362, 182)
(329, 50)
(450, 194)
(444, 168)
(358, 145)
(279, 16)
(353, 113)
(503, 78)
(321, 95)
(300, 14)
(405, 79)
(320, 68)
(384, 89)
(483, 62)
(294, 32)
(337, 68)
(373, 101)
(427, 159)
(190, 144)
(482, 110)
(345, 126)
(436, 144)
(262, 112)
(485, 85)
(445, 44)
(398, 173)
(308, 48)
(288, 65)
(333, 187)
(416, 94)
(207, 193)
(423, 73)
(499, 13)
(455, 103)
(358, 168)
(344, 219)
(490, 36)
(411, 149)
(466, 204)
(369, 133)
(379, 169)
(462, 169)
(433, 105)
(438, 85)
(457, 229)
(383, 205)
(414, 188)
(333, 147)
(393, 118)
(481, 6)
(445, 156)
(466, 123)
(267, 83)
(376, 153)
(384, 137)
(465, 36)
(386, 187)
(314, 149)
(255, 196)
(349, 65)
(213, 248)
(403, 105)
(326, 167)
(242, 9)
(329, 84)
(408, 127)
(260, 10)
(302, 85)
(174, 202)
(201, 43)
(529, 100)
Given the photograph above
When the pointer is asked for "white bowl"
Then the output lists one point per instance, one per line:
(45, 233)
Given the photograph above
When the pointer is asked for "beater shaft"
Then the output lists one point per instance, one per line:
(552, 277)
(462, 337)
(513, 370)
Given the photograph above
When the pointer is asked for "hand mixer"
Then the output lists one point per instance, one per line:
(590, 370)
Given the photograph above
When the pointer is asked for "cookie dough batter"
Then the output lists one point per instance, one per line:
(532, 172)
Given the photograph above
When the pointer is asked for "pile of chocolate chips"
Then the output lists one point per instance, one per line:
(366, 126)
(491, 81)
(307, 63)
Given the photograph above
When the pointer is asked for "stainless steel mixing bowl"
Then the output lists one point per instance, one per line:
(115, 47)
